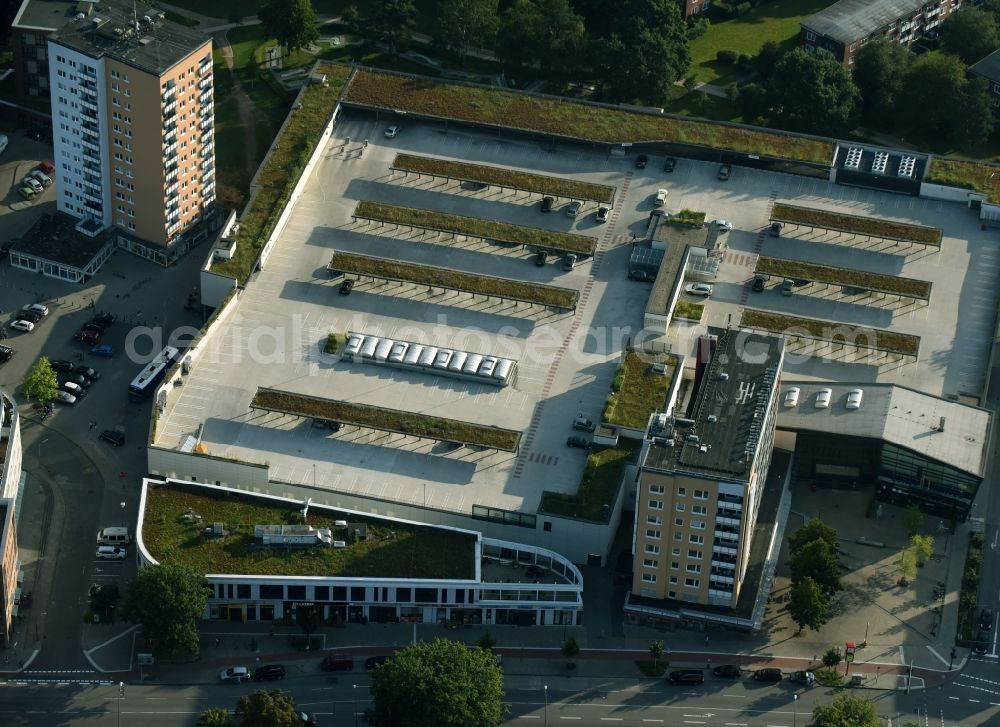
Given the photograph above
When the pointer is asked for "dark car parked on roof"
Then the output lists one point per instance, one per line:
(669, 163)
(641, 161)
(113, 437)
(547, 203)
(61, 365)
(986, 620)
(578, 442)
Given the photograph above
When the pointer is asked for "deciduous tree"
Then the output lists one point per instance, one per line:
(807, 604)
(467, 24)
(40, 382)
(656, 651)
(922, 547)
(215, 717)
(267, 709)
(292, 22)
(812, 92)
(815, 529)
(392, 22)
(971, 34)
(913, 520)
(880, 70)
(846, 709)
(818, 561)
(440, 683)
(166, 600)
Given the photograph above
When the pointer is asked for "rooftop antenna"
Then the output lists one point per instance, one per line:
(135, 18)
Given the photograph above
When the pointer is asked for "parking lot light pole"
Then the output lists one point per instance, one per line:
(795, 701)
(545, 688)
(355, 705)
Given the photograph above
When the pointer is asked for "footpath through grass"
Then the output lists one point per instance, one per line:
(778, 21)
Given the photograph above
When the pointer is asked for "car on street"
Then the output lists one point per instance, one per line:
(539, 259)
(986, 620)
(730, 671)
(758, 284)
(547, 203)
(725, 171)
(64, 397)
(802, 677)
(269, 671)
(22, 325)
(668, 164)
(36, 308)
(26, 192)
(6, 353)
(774, 230)
(86, 371)
(854, 398)
(337, 662)
(27, 315)
(704, 289)
(47, 167)
(641, 275)
(373, 662)
(35, 185)
(346, 287)
(574, 208)
(113, 437)
(110, 552)
(686, 676)
(641, 161)
(578, 442)
(235, 674)
(78, 379)
(602, 213)
(583, 424)
(661, 197)
(769, 674)
(723, 225)
(105, 350)
(89, 334)
(981, 646)
(392, 132)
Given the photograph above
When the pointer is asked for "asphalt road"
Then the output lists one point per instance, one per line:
(334, 700)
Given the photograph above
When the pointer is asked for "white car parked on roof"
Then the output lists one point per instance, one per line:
(661, 197)
(698, 289)
(854, 398)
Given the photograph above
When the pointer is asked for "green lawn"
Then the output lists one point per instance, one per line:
(600, 481)
(777, 21)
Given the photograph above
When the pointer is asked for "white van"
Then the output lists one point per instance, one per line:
(113, 536)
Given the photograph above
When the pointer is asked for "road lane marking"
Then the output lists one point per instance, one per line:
(612, 719)
(955, 698)
(529, 716)
(653, 720)
(736, 724)
(571, 718)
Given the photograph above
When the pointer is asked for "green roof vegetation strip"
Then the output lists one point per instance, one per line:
(873, 338)
(281, 170)
(891, 284)
(511, 178)
(977, 176)
(601, 478)
(392, 550)
(505, 288)
(856, 224)
(487, 229)
(638, 390)
(388, 420)
(572, 119)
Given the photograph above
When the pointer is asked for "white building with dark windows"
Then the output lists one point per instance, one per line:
(348, 566)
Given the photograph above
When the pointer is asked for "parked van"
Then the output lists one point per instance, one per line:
(569, 262)
(113, 536)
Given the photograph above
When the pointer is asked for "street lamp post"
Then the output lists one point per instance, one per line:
(123, 512)
(545, 689)
(39, 454)
(795, 699)
(121, 696)
(355, 705)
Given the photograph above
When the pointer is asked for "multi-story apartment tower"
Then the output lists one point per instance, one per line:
(845, 26)
(702, 475)
(11, 490)
(132, 123)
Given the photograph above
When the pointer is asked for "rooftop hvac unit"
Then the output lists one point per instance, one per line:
(723, 376)
(339, 544)
(659, 368)
(879, 162)
(340, 523)
(853, 158)
(907, 166)
(713, 418)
